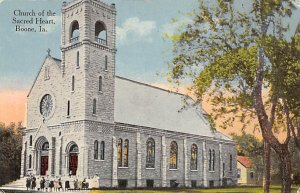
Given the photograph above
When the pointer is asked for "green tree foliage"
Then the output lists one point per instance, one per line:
(248, 145)
(242, 54)
(10, 152)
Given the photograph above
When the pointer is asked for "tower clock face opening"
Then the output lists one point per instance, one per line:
(46, 105)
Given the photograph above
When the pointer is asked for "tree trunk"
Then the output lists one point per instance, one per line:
(267, 167)
(286, 170)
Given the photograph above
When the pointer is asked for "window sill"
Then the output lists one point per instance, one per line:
(173, 169)
(123, 167)
(150, 168)
(77, 67)
(72, 91)
(212, 171)
(100, 92)
(194, 170)
(99, 160)
(106, 70)
(94, 115)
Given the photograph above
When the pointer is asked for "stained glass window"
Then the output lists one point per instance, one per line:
(102, 148)
(173, 155)
(120, 144)
(194, 157)
(150, 158)
(126, 151)
(96, 149)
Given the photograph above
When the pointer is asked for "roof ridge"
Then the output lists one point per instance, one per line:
(155, 87)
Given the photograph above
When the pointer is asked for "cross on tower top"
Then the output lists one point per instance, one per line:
(49, 51)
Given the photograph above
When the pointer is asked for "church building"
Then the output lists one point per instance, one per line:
(83, 120)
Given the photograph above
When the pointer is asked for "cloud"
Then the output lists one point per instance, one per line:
(134, 30)
(1, 1)
(172, 27)
(297, 3)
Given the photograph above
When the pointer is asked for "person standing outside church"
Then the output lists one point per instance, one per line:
(28, 182)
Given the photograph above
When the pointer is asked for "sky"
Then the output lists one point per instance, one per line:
(142, 52)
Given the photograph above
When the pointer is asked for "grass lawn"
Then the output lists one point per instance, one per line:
(274, 189)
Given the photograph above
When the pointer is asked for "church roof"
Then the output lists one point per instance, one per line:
(145, 105)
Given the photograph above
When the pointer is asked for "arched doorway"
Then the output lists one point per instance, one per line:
(44, 158)
(73, 159)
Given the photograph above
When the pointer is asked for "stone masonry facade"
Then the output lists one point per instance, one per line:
(62, 129)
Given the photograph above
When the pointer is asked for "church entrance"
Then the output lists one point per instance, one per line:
(73, 159)
(73, 164)
(44, 159)
(41, 158)
(44, 165)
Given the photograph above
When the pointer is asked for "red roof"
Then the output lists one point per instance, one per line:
(245, 161)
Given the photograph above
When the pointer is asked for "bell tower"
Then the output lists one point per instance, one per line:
(88, 59)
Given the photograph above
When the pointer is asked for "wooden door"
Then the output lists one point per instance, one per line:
(44, 165)
(73, 163)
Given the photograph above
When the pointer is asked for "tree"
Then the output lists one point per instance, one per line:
(10, 152)
(242, 56)
(248, 145)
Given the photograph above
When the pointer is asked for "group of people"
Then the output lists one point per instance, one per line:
(57, 184)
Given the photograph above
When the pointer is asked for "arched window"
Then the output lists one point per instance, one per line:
(105, 63)
(126, 152)
(213, 160)
(150, 158)
(120, 151)
(68, 109)
(30, 161)
(102, 148)
(77, 59)
(30, 140)
(96, 145)
(100, 33)
(194, 157)
(73, 83)
(94, 106)
(230, 162)
(74, 32)
(74, 149)
(100, 83)
(173, 155)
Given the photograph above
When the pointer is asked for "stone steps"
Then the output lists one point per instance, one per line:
(19, 184)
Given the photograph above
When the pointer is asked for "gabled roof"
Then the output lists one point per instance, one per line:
(245, 161)
(145, 105)
(55, 60)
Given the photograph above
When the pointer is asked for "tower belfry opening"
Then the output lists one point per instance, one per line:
(100, 33)
(74, 32)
